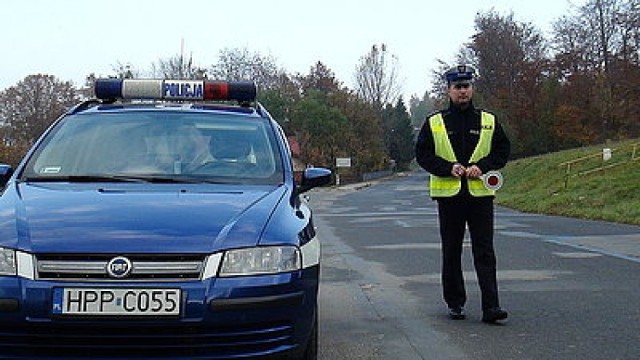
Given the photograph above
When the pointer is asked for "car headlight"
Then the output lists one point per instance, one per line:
(7, 261)
(260, 260)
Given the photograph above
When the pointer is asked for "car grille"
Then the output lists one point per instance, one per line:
(66, 267)
(139, 341)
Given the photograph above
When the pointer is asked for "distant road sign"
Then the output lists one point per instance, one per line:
(343, 162)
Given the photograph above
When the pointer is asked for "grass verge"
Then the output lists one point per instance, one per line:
(537, 184)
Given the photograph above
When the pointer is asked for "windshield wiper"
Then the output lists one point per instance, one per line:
(84, 178)
(122, 178)
(181, 179)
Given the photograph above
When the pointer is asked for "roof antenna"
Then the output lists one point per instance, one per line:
(181, 65)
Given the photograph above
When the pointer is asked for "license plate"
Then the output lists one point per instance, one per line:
(116, 301)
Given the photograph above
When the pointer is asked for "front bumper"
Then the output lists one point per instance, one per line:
(221, 318)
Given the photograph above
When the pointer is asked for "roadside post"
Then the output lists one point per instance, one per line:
(344, 162)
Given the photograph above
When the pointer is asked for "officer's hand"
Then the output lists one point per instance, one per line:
(473, 172)
(458, 170)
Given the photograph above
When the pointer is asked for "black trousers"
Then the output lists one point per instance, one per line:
(455, 214)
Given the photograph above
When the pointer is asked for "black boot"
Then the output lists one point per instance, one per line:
(457, 313)
(494, 314)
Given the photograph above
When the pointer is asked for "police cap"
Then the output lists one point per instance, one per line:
(460, 74)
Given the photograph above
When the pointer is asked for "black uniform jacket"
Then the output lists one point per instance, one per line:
(463, 127)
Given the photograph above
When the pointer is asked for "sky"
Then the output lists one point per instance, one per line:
(73, 38)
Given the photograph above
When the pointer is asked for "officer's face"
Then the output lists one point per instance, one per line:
(460, 94)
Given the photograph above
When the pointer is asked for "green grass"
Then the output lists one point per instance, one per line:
(537, 185)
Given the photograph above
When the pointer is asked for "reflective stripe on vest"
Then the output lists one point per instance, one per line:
(448, 186)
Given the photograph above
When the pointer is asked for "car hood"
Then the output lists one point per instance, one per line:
(134, 218)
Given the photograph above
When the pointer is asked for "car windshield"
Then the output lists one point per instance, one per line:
(158, 146)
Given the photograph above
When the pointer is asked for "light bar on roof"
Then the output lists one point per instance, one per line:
(111, 89)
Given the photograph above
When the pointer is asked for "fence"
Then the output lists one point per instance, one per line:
(590, 164)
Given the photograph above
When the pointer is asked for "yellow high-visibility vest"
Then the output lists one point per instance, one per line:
(447, 186)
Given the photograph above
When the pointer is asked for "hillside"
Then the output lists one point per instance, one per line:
(537, 184)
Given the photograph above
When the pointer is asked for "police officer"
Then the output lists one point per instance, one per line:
(457, 146)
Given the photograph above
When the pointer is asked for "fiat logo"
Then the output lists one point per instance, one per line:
(119, 267)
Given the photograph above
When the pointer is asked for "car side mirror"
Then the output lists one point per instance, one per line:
(314, 177)
(6, 171)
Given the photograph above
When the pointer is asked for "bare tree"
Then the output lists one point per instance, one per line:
(125, 71)
(241, 64)
(628, 21)
(598, 53)
(602, 16)
(377, 77)
(178, 67)
(572, 45)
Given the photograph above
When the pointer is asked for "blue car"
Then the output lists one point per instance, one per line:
(160, 220)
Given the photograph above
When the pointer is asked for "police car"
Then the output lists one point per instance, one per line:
(160, 220)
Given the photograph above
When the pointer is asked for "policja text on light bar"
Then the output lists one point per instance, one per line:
(192, 90)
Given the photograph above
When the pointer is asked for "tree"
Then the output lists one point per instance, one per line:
(572, 130)
(28, 108)
(328, 120)
(512, 89)
(597, 56)
(320, 78)
(439, 85)
(377, 77)
(420, 109)
(177, 67)
(241, 64)
(125, 71)
(601, 15)
(398, 134)
(321, 129)
(361, 138)
(364, 143)
(628, 20)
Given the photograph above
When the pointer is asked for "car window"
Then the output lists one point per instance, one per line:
(174, 145)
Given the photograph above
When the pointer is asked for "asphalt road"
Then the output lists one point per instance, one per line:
(571, 286)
